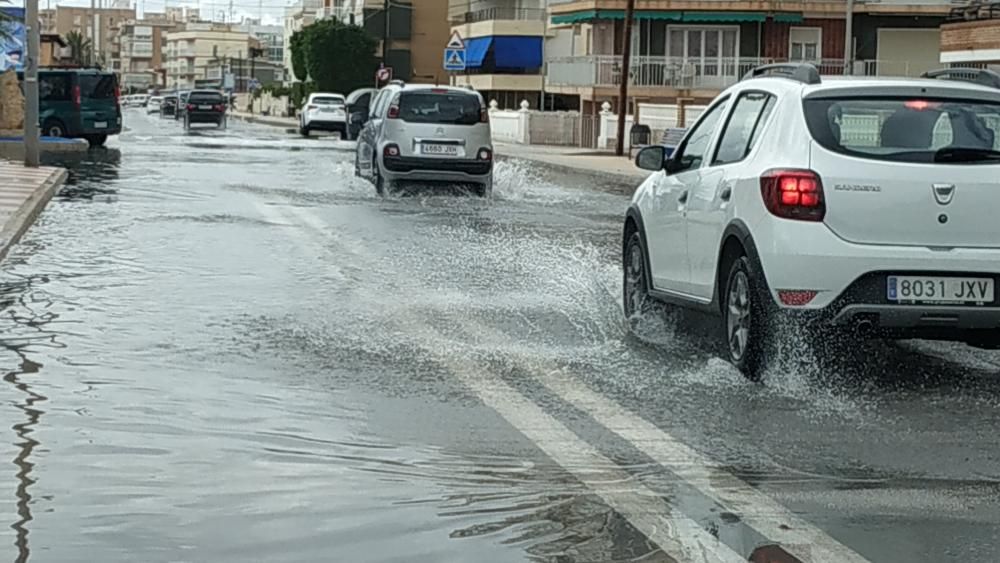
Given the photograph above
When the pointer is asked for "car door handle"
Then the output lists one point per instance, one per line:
(726, 193)
(683, 197)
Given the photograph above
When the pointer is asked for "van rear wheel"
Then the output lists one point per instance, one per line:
(53, 128)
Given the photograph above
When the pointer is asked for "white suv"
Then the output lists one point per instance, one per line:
(868, 205)
(324, 112)
(420, 133)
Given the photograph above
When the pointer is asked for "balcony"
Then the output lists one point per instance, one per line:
(604, 71)
(498, 13)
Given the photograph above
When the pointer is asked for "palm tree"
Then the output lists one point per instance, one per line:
(79, 48)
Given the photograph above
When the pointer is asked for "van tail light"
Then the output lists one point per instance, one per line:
(793, 194)
(118, 93)
(393, 111)
(390, 150)
(76, 96)
(484, 115)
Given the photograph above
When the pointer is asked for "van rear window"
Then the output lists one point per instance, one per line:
(433, 107)
(206, 97)
(907, 129)
(97, 86)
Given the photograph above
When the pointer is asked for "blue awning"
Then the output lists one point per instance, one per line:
(516, 51)
(475, 51)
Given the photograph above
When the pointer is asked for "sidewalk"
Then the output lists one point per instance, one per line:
(23, 194)
(286, 122)
(575, 159)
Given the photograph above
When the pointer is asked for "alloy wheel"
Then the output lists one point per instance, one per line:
(738, 314)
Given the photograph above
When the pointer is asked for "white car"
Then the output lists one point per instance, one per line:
(324, 112)
(153, 105)
(865, 205)
(426, 134)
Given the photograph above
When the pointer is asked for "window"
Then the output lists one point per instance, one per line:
(804, 44)
(743, 128)
(54, 88)
(98, 86)
(712, 51)
(433, 107)
(907, 130)
(696, 144)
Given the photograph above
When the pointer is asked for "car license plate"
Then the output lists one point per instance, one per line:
(436, 149)
(204, 107)
(933, 289)
(100, 125)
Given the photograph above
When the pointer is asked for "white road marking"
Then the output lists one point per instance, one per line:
(678, 535)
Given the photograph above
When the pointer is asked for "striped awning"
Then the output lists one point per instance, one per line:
(695, 17)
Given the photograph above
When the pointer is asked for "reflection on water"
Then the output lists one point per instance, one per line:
(90, 173)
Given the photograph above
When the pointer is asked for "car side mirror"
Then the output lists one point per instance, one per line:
(651, 158)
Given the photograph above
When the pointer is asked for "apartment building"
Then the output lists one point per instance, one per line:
(192, 49)
(143, 50)
(82, 20)
(505, 48)
(694, 48)
(971, 36)
(296, 17)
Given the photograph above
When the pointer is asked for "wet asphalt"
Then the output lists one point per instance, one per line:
(221, 346)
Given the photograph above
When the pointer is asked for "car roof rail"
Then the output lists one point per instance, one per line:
(981, 76)
(800, 72)
(397, 82)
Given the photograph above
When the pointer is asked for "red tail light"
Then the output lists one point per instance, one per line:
(311, 107)
(484, 115)
(118, 92)
(393, 111)
(76, 96)
(189, 107)
(390, 150)
(220, 107)
(793, 194)
(485, 154)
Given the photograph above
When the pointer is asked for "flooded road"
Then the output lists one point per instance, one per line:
(222, 346)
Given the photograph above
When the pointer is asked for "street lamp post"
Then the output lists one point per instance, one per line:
(31, 157)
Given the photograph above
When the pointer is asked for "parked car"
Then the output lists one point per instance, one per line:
(323, 112)
(426, 134)
(153, 105)
(836, 206)
(205, 106)
(358, 107)
(78, 103)
(168, 107)
(182, 97)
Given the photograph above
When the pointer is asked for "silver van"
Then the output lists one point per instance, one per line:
(421, 133)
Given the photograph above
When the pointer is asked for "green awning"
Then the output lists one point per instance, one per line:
(724, 17)
(787, 17)
(591, 15)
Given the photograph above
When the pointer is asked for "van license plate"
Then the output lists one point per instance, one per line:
(100, 125)
(932, 289)
(440, 150)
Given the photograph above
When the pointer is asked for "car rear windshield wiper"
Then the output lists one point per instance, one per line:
(966, 154)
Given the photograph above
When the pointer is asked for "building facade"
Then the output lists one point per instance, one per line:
(143, 50)
(505, 48)
(694, 48)
(971, 37)
(106, 21)
(191, 50)
(296, 17)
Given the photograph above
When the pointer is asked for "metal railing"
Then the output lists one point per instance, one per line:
(685, 73)
(498, 13)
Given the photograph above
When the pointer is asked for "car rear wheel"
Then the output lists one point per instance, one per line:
(53, 128)
(636, 300)
(746, 319)
(485, 189)
(304, 131)
(381, 185)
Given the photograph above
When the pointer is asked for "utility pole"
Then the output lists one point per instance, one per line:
(31, 84)
(849, 39)
(623, 90)
(93, 32)
(385, 39)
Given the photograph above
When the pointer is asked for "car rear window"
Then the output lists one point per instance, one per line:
(206, 97)
(907, 129)
(97, 86)
(328, 100)
(434, 107)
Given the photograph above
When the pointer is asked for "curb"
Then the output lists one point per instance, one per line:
(25, 215)
(634, 181)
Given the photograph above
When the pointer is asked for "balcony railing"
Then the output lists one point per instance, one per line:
(498, 13)
(678, 72)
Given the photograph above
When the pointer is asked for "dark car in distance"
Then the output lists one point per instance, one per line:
(205, 106)
(168, 107)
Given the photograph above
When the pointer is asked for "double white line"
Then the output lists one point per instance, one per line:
(677, 534)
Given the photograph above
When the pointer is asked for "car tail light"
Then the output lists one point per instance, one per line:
(484, 115)
(393, 111)
(793, 194)
(189, 107)
(76, 96)
(390, 150)
(220, 107)
(485, 154)
(920, 105)
(311, 107)
(796, 297)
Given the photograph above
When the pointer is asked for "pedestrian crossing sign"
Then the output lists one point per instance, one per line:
(454, 59)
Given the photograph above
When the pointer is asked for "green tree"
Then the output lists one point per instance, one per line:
(79, 48)
(339, 57)
(297, 44)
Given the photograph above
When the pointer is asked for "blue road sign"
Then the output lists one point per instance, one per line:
(454, 59)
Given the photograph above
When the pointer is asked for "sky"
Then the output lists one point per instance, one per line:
(273, 11)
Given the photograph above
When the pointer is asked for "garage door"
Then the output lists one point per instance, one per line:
(908, 52)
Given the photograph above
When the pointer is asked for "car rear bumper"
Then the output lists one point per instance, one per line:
(204, 117)
(327, 125)
(437, 168)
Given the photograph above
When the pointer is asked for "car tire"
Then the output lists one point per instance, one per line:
(53, 128)
(485, 189)
(381, 184)
(96, 140)
(304, 131)
(747, 317)
(636, 300)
